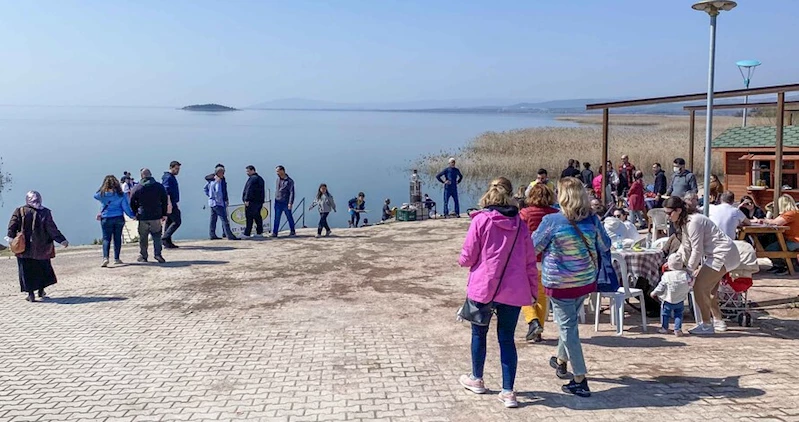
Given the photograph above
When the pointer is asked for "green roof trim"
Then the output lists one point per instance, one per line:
(756, 136)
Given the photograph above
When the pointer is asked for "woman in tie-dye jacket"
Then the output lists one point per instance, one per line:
(570, 241)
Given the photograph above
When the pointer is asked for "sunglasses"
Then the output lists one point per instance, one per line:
(670, 212)
(617, 215)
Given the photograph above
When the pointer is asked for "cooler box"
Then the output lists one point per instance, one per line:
(406, 215)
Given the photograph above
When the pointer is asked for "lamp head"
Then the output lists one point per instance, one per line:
(713, 7)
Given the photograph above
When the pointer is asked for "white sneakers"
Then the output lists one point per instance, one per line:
(719, 325)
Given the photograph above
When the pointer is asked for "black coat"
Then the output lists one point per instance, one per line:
(660, 183)
(148, 200)
(40, 232)
(254, 190)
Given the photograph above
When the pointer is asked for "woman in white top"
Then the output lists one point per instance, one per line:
(711, 254)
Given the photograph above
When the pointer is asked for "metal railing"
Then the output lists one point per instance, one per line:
(300, 207)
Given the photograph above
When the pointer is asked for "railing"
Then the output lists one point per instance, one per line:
(294, 209)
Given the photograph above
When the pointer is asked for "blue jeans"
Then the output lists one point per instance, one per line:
(112, 229)
(282, 208)
(451, 193)
(667, 310)
(507, 317)
(567, 314)
(779, 262)
(220, 212)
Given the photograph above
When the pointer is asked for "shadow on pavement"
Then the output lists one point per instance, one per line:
(210, 248)
(634, 393)
(80, 300)
(631, 342)
(179, 264)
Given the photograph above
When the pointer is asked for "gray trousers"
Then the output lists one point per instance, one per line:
(146, 229)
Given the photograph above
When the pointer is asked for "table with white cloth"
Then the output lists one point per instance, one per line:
(645, 263)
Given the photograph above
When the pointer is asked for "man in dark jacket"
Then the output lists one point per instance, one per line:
(661, 184)
(284, 200)
(173, 220)
(450, 177)
(149, 201)
(254, 196)
(570, 171)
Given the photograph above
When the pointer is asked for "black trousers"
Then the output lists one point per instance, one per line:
(252, 213)
(173, 222)
(323, 223)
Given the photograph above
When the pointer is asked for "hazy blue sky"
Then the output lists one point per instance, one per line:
(171, 53)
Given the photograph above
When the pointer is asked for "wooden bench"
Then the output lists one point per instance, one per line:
(757, 230)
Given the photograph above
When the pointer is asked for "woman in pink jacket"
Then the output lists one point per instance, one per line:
(502, 271)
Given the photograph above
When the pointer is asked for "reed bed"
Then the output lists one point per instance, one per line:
(518, 154)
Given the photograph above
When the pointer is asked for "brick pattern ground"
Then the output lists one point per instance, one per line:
(357, 329)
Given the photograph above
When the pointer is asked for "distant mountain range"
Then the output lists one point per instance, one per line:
(573, 106)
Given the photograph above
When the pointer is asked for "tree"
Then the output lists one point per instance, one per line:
(5, 181)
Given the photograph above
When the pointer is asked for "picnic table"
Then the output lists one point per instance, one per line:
(645, 263)
(756, 230)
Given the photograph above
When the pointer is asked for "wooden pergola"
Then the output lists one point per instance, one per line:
(780, 104)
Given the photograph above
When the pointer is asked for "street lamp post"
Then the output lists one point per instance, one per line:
(712, 8)
(747, 68)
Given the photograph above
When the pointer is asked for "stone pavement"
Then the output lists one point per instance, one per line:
(358, 327)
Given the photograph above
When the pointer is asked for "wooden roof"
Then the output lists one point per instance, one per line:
(756, 136)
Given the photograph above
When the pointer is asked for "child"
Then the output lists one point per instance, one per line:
(386, 210)
(356, 205)
(429, 204)
(324, 200)
(673, 289)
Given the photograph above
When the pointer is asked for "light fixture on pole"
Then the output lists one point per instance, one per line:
(712, 8)
(747, 68)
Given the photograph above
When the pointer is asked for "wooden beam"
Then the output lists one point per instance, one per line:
(778, 152)
(789, 105)
(692, 129)
(695, 97)
(605, 127)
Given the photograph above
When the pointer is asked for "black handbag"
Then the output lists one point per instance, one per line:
(480, 313)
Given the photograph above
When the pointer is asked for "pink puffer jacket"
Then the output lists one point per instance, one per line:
(485, 251)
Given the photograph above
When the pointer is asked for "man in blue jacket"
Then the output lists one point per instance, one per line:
(450, 177)
(216, 191)
(284, 200)
(254, 196)
(173, 220)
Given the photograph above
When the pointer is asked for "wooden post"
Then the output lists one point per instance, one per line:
(778, 152)
(691, 128)
(605, 124)
(789, 119)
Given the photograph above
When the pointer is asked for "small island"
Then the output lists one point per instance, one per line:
(208, 107)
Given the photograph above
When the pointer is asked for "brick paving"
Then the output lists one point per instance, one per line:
(360, 327)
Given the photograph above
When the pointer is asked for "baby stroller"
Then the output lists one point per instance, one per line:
(733, 291)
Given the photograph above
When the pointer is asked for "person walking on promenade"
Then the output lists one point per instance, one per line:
(216, 191)
(284, 200)
(450, 177)
(149, 201)
(35, 224)
(324, 200)
(539, 203)
(173, 219)
(571, 242)
(710, 254)
(356, 206)
(661, 184)
(254, 196)
(502, 272)
(112, 216)
(682, 181)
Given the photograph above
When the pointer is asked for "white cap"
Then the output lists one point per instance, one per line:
(675, 262)
(451, 159)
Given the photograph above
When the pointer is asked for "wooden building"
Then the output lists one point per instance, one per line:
(749, 156)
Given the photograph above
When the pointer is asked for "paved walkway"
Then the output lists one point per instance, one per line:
(358, 327)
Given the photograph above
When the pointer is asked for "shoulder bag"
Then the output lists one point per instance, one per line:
(479, 313)
(607, 280)
(17, 244)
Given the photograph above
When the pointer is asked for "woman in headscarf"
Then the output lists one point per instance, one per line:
(36, 224)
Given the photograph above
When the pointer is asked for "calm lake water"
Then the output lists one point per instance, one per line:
(64, 153)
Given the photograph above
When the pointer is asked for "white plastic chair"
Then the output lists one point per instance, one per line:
(617, 299)
(658, 221)
(658, 243)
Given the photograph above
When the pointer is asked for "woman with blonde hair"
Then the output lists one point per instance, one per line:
(571, 242)
(502, 273)
(539, 204)
(789, 216)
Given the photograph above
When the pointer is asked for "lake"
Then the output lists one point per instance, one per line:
(64, 153)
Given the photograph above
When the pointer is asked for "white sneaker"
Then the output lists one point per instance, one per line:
(702, 329)
(662, 330)
(719, 325)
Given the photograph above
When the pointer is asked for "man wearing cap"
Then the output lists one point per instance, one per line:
(173, 220)
(450, 177)
(682, 181)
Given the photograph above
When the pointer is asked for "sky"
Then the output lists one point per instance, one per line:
(239, 53)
